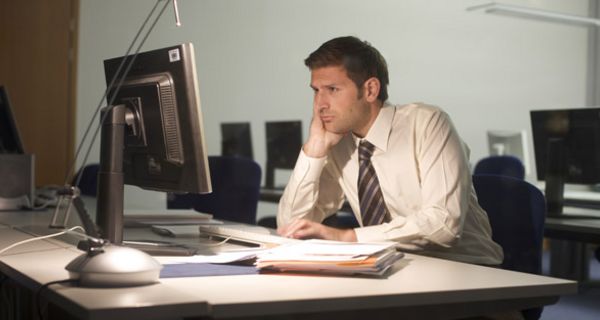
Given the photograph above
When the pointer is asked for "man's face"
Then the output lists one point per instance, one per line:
(341, 106)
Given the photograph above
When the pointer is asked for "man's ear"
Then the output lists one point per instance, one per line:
(371, 88)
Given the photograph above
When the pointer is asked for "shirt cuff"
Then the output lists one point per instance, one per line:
(371, 233)
(400, 229)
(310, 167)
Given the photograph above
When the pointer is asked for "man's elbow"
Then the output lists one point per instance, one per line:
(444, 237)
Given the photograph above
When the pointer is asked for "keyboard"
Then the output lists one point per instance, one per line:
(244, 233)
(580, 213)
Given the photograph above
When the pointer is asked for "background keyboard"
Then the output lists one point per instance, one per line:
(244, 233)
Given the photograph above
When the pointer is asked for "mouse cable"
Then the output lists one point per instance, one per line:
(42, 237)
(220, 243)
(37, 295)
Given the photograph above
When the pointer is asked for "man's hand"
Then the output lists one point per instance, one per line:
(319, 139)
(306, 229)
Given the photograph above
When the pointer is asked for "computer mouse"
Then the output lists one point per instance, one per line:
(114, 266)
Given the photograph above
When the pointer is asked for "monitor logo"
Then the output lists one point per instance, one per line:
(174, 55)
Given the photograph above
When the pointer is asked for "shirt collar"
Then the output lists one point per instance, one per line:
(380, 129)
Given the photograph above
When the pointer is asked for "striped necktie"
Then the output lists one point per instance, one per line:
(372, 206)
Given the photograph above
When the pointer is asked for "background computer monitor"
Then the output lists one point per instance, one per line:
(567, 150)
(16, 167)
(509, 143)
(162, 144)
(236, 140)
(10, 140)
(284, 141)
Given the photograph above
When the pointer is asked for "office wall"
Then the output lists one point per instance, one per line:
(486, 70)
(37, 67)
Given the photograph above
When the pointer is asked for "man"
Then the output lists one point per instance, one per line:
(403, 169)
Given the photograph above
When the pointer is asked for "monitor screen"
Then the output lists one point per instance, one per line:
(10, 140)
(236, 140)
(162, 143)
(284, 141)
(576, 135)
(567, 150)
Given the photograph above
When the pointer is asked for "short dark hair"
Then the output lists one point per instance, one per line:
(358, 57)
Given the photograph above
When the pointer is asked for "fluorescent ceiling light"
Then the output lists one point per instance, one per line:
(526, 12)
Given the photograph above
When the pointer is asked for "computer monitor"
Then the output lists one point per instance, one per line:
(10, 140)
(153, 135)
(509, 143)
(16, 167)
(567, 150)
(284, 141)
(236, 140)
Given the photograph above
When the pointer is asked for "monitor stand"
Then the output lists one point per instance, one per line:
(555, 178)
(109, 212)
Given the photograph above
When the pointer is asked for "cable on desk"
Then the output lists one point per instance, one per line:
(40, 238)
(38, 301)
(45, 196)
(224, 241)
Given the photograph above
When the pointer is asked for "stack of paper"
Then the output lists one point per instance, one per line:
(334, 257)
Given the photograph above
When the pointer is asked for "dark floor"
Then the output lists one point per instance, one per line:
(583, 306)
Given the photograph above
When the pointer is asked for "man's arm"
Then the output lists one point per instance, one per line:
(305, 229)
(313, 193)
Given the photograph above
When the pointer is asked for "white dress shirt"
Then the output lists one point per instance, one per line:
(422, 167)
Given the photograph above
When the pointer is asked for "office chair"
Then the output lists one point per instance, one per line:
(509, 166)
(516, 210)
(88, 185)
(236, 186)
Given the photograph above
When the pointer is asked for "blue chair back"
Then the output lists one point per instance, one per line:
(516, 210)
(88, 185)
(509, 166)
(236, 187)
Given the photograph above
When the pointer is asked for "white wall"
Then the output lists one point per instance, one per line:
(486, 70)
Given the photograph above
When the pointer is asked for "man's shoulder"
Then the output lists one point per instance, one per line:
(419, 110)
(418, 107)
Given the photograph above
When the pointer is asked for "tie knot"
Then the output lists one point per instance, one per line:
(365, 150)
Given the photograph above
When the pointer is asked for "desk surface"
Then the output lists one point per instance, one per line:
(419, 287)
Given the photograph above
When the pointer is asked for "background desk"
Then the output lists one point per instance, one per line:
(569, 250)
(570, 236)
(419, 287)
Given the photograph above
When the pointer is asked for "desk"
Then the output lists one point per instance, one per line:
(570, 234)
(419, 287)
(573, 229)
